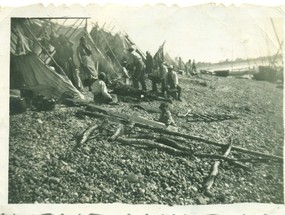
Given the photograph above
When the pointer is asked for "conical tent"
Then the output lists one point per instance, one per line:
(170, 61)
(101, 61)
(114, 46)
(27, 70)
(108, 50)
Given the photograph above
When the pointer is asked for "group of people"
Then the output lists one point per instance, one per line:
(135, 68)
(167, 77)
(161, 74)
(190, 68)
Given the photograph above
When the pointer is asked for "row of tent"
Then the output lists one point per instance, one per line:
(29, 69)
(32, 65)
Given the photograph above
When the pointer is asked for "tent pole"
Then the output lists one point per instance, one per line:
(275, 56)
(111, 49)
(60, 26)
(94, 46)
(98, 50)
(75, 29)
(70, 28)
(57, 30)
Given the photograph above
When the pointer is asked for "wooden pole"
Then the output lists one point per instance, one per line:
(70, 28)
(75, 29)
(215, 170)
(192, 137)
(57, 30)
(187, 136)
(60, 69)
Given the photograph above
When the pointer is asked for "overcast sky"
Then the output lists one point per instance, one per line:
(205, 33)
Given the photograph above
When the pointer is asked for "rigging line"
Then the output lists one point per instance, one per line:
(60, 26)
(128, 37)
(237, 32)
(280, 10)
(75, 29)
(111, 49)
(61, 70)
(70, 28)
(265, 33)
(275, 31)
(98, 50)
(101, 42)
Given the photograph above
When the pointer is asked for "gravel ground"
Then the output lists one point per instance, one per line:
(44, 168)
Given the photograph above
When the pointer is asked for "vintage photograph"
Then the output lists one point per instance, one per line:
(147, 105)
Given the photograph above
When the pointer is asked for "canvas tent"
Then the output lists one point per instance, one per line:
(41, 65)
(101, 61)
(27, 69)
(113, 46)
(108, 50)
(170, 61)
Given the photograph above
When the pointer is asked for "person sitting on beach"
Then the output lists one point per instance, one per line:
(165, 116)
(100, 91)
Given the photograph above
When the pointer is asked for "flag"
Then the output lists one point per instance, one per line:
(159, 55)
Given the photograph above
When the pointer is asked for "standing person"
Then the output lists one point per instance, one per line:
(194, 67)
(157, 77)
(148, 63)
(189, 67)
(162, 73)
(125, 76)
(171, 83)
(100, 91)
(86, 63)
(138, 67)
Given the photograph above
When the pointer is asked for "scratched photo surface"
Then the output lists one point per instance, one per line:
(148, 105)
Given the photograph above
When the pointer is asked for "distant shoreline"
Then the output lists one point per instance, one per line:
(241, 65)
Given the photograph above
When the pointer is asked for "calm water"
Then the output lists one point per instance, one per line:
(240, 66)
